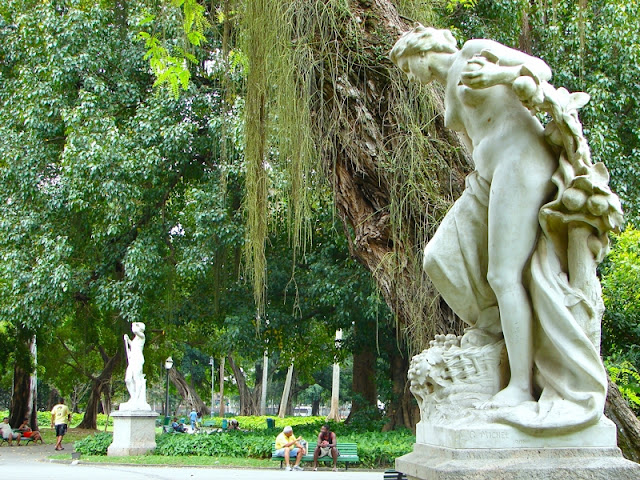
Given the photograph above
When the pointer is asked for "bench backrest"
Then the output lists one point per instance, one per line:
(345, 448)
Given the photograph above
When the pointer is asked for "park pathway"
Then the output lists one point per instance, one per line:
(30, 461)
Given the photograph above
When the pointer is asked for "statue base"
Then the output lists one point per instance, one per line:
(134, 433)
(428, 462)
(495, 436)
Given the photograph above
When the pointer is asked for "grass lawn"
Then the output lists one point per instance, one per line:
(73, 435)
(175, 461)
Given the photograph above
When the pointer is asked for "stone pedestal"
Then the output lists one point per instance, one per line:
(494, 452)
(134, 433)
(495, 435)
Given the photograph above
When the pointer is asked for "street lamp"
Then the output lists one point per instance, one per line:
(168, 363)
(211, 363)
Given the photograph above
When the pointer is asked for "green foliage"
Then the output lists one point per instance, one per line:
(172, 69)
(627, 378)
(96, 444)
(375, 449)
(621, 295)
(168, 69)
(229, 444)
(451, 5)
(378, 450)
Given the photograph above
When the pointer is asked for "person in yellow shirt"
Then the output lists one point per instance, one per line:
(286, 445)
(60, 417)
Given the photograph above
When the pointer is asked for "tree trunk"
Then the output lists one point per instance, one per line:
(403, 410)
(248, 403)
(365, 394)
(315, 407)
(628, 425)
(23, 399)
(222, 387)
(284, 402)
(263, 393)
(334, 412)
(99, 385)
(53, 398)
(367, 128)
(187, 392)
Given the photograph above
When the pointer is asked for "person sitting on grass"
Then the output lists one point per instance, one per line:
(7, 432)
(326, 445)
(286, 445)
(27, 432)
(178, 427)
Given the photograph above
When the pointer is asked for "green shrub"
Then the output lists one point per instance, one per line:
(228, 444)
(375, 449)
(95, 444)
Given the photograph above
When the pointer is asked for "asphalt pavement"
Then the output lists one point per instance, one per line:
(30, 461)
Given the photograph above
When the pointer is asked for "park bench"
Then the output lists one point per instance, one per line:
(23, 440)
(26, 440)
(348, 454)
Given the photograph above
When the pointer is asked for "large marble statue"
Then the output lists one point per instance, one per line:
(134, 378)
(515, 257)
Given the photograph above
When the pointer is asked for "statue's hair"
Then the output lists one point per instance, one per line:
(423, 39)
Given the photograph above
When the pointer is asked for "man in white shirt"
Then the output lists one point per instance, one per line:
(7, 432)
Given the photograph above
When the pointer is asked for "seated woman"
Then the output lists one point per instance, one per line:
(27, 432)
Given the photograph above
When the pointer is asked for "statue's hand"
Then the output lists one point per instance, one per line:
(483, 71)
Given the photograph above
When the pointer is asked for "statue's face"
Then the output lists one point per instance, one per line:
(417, 66)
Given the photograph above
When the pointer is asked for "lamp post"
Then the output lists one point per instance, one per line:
(212, 371)
(168, 363)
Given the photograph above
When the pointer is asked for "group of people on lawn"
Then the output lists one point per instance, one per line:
(24, 431)
(288, 445)
(60, 417)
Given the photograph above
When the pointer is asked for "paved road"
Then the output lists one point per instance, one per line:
(30, 462)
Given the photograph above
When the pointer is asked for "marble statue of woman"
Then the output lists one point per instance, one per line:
(134, 378)
(515, 257)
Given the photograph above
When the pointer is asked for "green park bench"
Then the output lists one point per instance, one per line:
(348, 454)
(23, 440)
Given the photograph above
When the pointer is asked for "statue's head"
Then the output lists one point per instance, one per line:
(423, 39)
(137, 327)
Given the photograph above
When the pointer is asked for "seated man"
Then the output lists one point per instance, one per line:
(326, 445)
(27, 432)
(178, 427)
(286, 445)
(7, 432)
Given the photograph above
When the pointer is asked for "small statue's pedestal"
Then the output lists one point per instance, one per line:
(134, 433)
(494, 452)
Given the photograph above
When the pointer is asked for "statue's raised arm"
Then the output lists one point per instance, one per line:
(491, 63)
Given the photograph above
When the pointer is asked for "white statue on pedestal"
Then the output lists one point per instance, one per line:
(515, 257)
(134, 378)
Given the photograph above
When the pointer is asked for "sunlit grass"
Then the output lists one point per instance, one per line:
(178, 461)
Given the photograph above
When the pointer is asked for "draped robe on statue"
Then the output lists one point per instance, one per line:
(569, 376)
